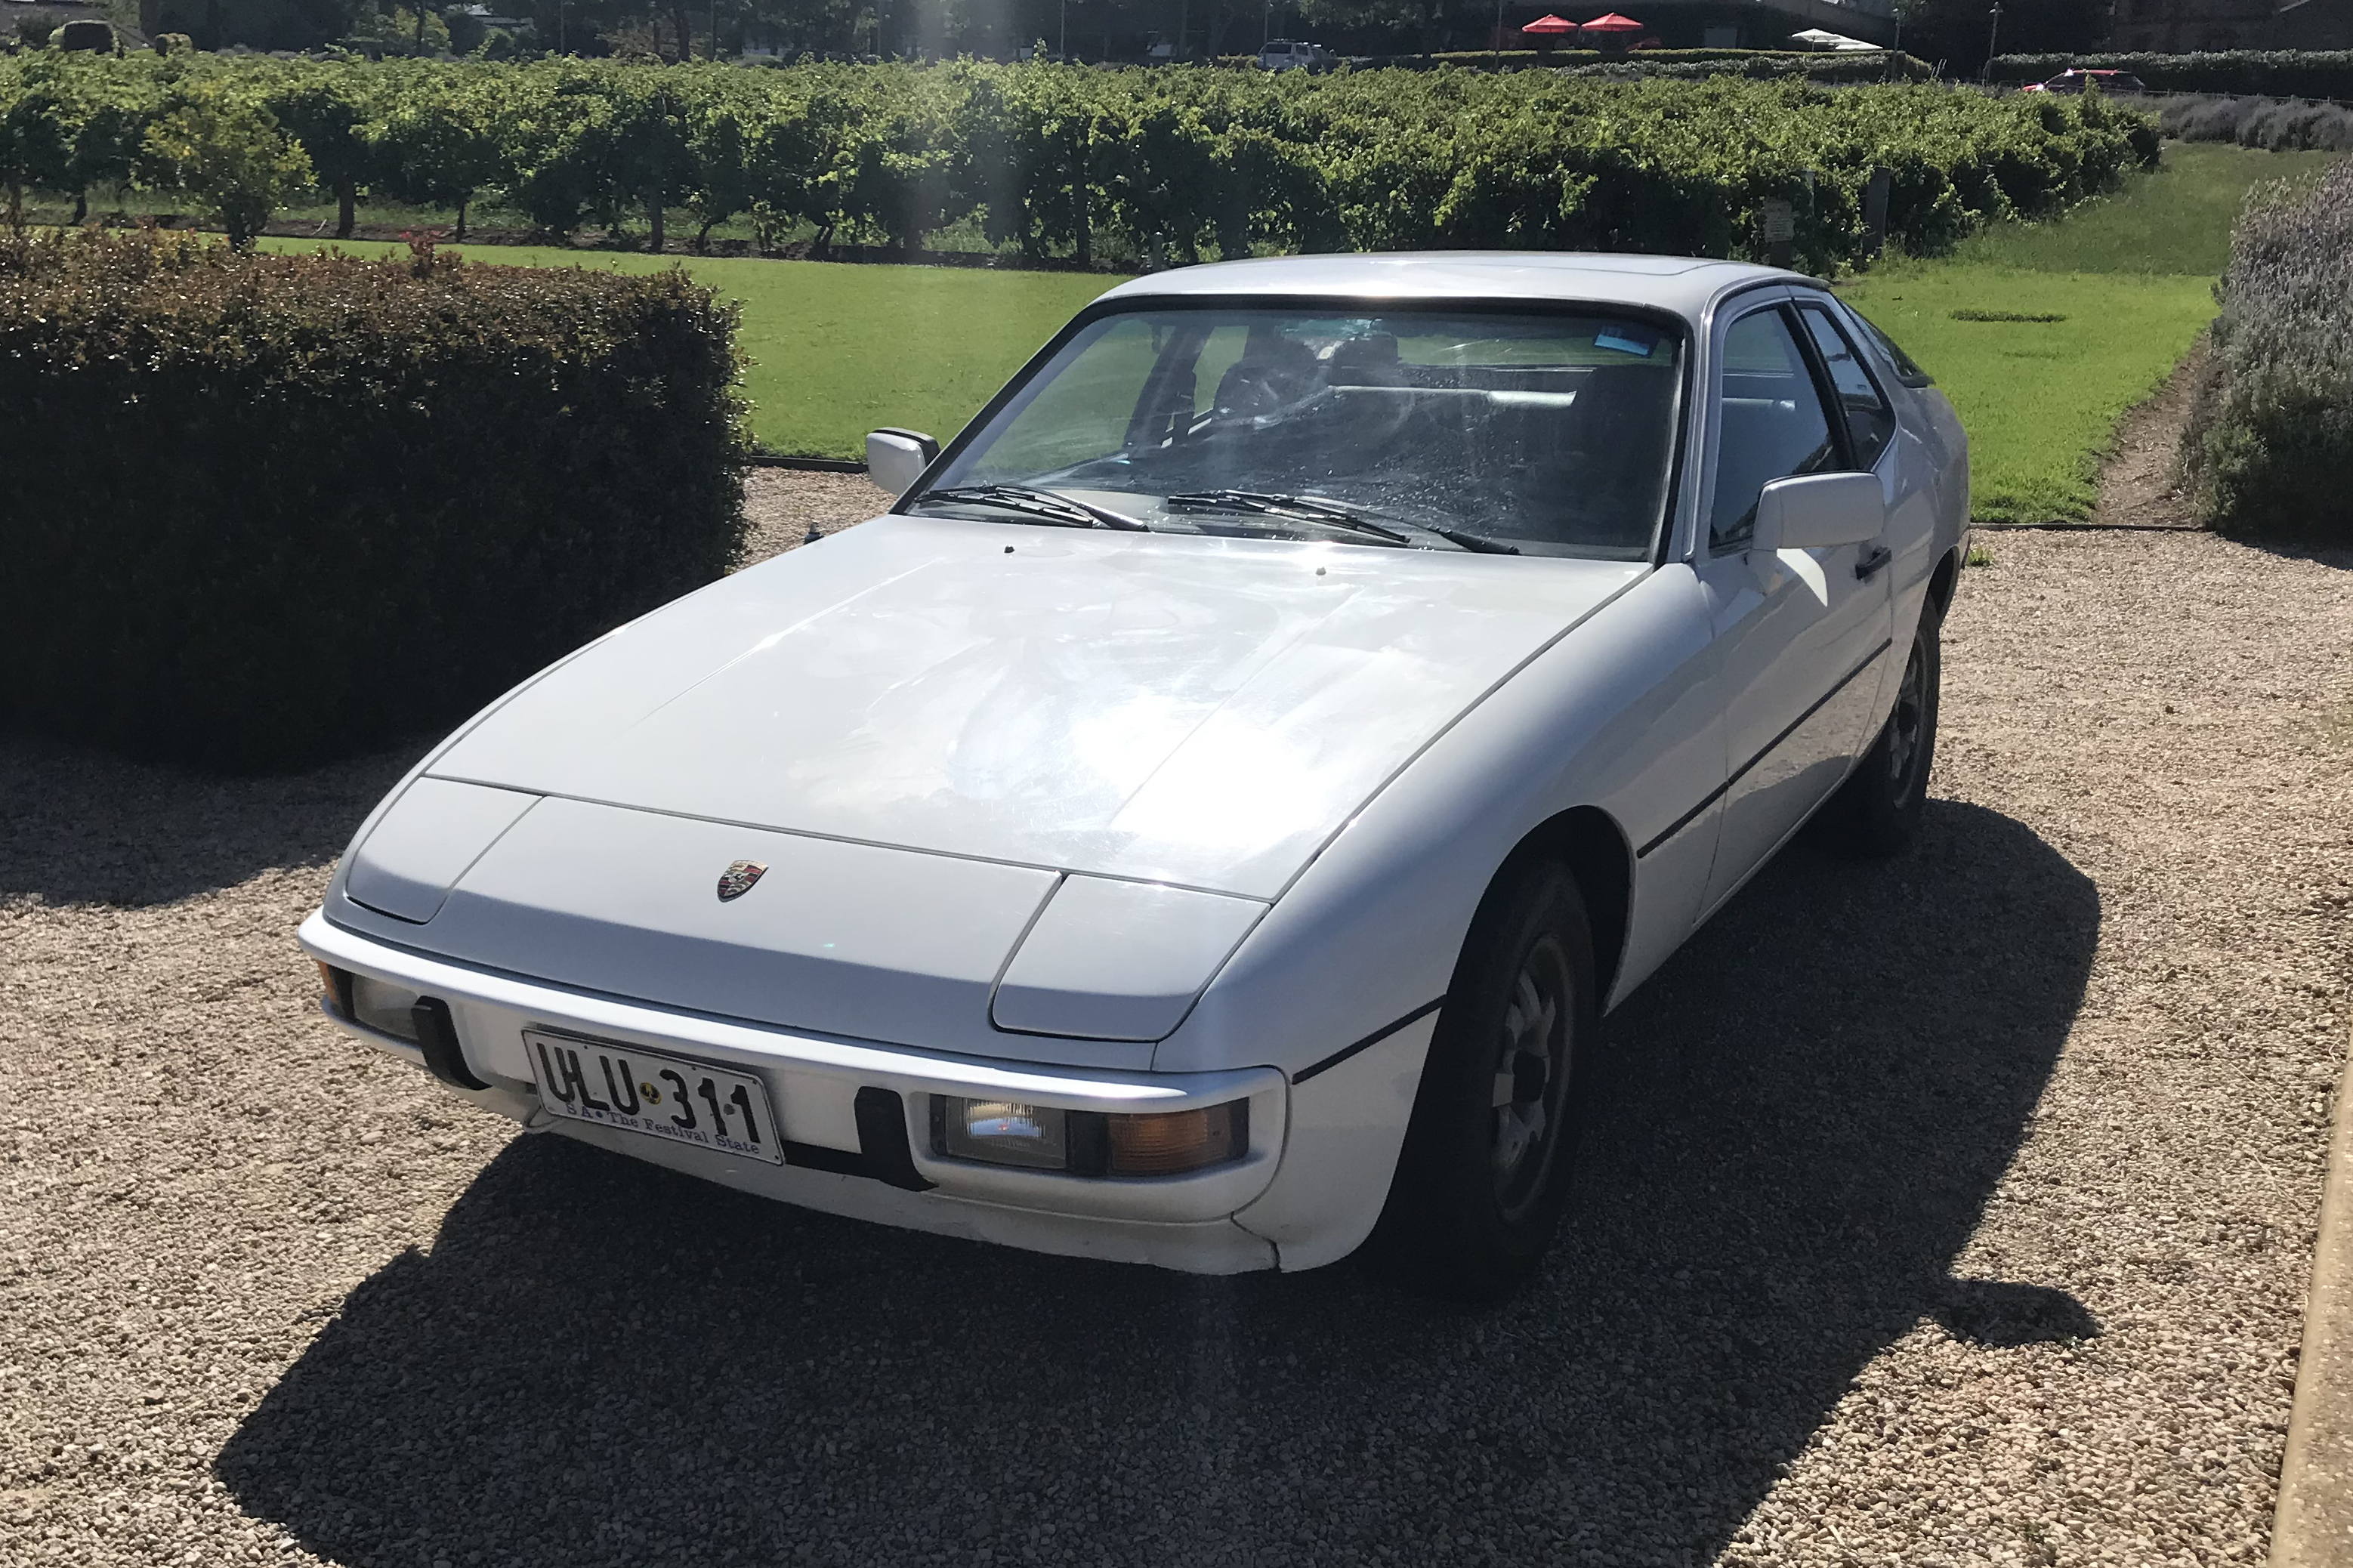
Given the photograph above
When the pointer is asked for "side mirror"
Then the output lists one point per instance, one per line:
(895, 459)
(1814, 512)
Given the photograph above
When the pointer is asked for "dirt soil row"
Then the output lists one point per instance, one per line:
(1949, 1210)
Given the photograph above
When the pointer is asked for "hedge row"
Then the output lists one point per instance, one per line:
(2262, 73)
(1068, 162)
(264, 509)
(1681, 65)
(2271, 431)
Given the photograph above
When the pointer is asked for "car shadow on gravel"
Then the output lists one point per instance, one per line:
(80, 825)
(1801, 1121)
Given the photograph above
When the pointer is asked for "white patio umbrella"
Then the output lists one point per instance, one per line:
(1818, 38)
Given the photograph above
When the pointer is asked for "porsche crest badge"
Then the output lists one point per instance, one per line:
(737, 880)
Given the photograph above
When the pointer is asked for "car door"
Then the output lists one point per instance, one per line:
(1800, 634)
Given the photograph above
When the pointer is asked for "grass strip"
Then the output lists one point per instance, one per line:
(838, 350)
(2040, 398)
(2043, 334)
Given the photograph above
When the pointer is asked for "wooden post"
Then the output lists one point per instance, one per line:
(1874, 210)
(1779, 224)
(654, 197)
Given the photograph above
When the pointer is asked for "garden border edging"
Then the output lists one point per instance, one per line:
(2313, 1527)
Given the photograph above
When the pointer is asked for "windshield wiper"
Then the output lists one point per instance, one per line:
(1470, 541)
(1047, 506)
(1306, 508)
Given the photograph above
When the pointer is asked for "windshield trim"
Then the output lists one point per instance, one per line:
(1671, 321)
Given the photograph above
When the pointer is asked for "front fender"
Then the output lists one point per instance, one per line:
(1619, 715)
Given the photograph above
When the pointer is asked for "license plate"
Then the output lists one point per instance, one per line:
(661, 1096)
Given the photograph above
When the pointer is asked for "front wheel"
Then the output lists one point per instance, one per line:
(1483, 1175)
(1878, 810)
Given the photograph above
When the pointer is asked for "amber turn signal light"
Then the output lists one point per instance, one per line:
(336, 985)
(1179, 1141)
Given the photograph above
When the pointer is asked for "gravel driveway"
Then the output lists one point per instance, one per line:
(1952, 1210)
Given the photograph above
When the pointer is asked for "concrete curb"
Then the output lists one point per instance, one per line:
(2314, 1526)
(806, 465)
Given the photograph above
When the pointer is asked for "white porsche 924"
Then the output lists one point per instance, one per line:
(1205, 817)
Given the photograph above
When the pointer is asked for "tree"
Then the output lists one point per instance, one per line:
(438, 144)
(216, 138)
(399, 31)
(1959, 32)
(326, 108)
(107, 114)
(1425, 24)
(32, 138)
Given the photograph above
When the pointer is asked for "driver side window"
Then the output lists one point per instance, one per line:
(1771, 423)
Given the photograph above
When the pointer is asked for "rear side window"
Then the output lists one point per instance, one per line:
(1910, 375)
(1870, 423)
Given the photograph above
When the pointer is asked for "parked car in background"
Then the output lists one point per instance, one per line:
(2075, 81)
(1289, 54)
(1208, 816)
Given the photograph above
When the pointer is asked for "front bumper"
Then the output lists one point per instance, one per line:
(834, 1162)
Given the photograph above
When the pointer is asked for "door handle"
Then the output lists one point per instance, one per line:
(1871, 560)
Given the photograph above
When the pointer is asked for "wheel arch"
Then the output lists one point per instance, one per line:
(1588, 841)
(1944, 580)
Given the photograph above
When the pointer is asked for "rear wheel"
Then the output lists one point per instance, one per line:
(1878, 810)
(1484, 1176)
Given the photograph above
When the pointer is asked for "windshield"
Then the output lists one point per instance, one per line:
(1551, 434)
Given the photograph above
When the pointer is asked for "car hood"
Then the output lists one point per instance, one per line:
(1172, 708)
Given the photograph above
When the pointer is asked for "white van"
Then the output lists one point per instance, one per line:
(1285, 54)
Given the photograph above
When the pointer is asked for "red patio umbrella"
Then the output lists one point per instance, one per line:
(1547, 28)
(1612, 32)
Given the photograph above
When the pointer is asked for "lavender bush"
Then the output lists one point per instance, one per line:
(2270, 441)
(2276, 124)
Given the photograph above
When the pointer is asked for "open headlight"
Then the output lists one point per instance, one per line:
(1089, 1142)
(1007, 1132)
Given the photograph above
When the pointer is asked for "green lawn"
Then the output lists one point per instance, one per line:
(838, 350)
(2131, 279)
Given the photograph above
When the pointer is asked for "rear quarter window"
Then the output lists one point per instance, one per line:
(1907, 373)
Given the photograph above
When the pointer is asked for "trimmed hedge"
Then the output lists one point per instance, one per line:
(1852, 67)
(2241, 73)
(2271, 431)
(265, 510)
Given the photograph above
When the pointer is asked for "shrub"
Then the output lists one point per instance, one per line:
(86, 33)
(2275, 124)
(2272, 73)
(2271, 431)
(269, 508)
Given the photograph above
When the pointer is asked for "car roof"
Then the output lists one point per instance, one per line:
(1686, 285)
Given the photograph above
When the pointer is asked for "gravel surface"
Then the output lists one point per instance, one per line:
(792, 506)
(1952, 1210)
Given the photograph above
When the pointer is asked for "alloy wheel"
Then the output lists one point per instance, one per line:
(1531, 1078)
(1903, 726)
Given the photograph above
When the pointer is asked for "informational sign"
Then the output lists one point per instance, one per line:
(1780, 221)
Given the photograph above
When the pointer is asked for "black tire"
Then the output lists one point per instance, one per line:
(1484, 1173)
(1878, 810)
